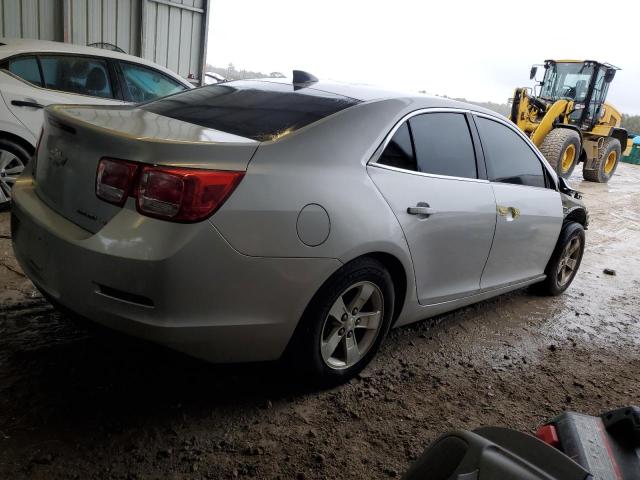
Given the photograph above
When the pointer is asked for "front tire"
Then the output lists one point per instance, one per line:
(607, 162)
(345, 323)
(565, 260)
(561, 147)
(13, 160)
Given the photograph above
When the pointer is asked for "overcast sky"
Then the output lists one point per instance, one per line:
(480, 50)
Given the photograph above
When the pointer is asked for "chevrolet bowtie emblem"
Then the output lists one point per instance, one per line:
(56, 157)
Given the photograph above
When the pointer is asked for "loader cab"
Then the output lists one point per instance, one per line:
(584, 82)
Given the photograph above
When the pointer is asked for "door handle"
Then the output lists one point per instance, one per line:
(421, 208)
(511, 213)
(26, 103)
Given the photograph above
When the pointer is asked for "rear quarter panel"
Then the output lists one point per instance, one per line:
(322, 164)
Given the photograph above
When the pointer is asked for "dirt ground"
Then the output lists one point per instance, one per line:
(77, 404)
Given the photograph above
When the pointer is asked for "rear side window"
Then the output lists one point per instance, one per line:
(26, 68)
(82, 75)
(399, 150)
(258, 110)
(509, 158)
(443, 144)
(144, 84)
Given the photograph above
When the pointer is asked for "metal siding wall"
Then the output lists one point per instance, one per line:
(50, 20)
(123, 25)
(40, 19)
(109, 14)
(173, 36)
(12, 18)
(110, 21)
(30, 19)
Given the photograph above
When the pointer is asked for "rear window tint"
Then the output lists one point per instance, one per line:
(258, 110)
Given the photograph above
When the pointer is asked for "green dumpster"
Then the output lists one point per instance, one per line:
(634, 155)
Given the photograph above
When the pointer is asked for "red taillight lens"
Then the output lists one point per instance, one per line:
(170, 193)
(114, 180)
(183, 194)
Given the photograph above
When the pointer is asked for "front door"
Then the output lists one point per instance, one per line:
(529, 208)
(428, 174)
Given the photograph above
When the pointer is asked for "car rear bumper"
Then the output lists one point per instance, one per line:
(182, 286)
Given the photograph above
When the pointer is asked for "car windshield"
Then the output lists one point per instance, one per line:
(253, 109)
(567, 80)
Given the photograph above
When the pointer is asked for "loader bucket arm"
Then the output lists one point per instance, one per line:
(546, 124)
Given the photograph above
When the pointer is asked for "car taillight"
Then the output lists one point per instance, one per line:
(169, 193)
(183, 194)
(114, 180)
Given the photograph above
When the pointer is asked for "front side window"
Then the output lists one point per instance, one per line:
(399, 151)
(81, 75)
(26, 68)
(443, 144)
(143, 84)
(509, 158)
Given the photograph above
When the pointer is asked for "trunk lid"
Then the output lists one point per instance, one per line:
(75, 138)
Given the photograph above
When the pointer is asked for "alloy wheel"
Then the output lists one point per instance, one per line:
(569, 261)
(10, 169)
(352, 325)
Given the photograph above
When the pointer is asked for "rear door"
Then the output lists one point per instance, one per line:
(42, 80)
(528, 206)
(429, 175)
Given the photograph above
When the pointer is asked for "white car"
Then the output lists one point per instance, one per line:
(213, 78)
(35, 73)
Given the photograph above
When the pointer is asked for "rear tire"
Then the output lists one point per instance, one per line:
(13, 159)
(322, 342)
(606, 164)
(565, 260)
(561, 147)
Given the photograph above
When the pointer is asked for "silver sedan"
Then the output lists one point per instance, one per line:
(257, 220)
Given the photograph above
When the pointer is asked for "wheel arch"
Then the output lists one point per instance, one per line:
(398, 276)
(18, 140)
(578, 215)
(622, 136)
(397, 270)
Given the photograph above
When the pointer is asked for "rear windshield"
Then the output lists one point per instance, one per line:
(258, 110)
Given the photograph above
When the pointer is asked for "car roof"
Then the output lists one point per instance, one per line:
(13, 46)
(370, 93)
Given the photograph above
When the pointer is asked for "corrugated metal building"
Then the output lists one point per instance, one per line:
(172, 33)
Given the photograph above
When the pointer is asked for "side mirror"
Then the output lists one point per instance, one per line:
(532, 73)
(609, 75)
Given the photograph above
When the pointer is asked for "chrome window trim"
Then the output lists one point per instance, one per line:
(429, 175)
(507, 123)
(373, 161)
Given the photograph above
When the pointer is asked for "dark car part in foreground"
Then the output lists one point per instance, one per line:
(574, 447)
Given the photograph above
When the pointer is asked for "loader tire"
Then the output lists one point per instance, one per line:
(561, 147)
(607, 162)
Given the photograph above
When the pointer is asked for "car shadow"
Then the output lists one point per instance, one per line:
(57, 370)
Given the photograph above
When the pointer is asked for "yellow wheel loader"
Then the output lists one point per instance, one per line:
(568, 119)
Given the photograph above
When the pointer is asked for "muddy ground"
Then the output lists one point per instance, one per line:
(79, 404)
